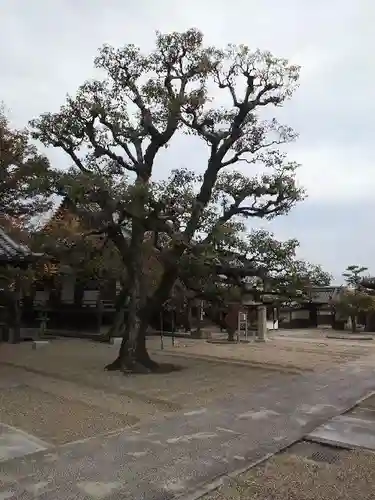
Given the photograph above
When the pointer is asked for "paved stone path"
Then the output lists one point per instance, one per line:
(355, 429)
(16, 443)
(184, 454)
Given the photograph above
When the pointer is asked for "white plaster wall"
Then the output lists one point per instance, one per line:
(272, 325)
(67, 289)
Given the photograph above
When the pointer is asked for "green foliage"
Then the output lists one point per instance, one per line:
(354, 302)
(118, 125)
(358, 297)
(256, 264)
(24, 175)
(283, 271)
(68, 239)
(354, 275)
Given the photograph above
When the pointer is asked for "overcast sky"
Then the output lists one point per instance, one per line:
(48, 48)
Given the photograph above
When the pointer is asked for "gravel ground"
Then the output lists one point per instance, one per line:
(303, 355)
(286, 476)
(72, 391)
(61, 393)
(291, 477)
(55, 419)
(82, 362)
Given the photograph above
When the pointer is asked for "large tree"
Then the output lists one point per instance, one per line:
(117, 127)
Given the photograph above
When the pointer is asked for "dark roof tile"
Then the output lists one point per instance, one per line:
(10, 251)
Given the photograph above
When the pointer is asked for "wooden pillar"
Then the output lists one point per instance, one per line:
(188, 320)
(262, 324)
(99, 313)
(199, 318)
(15, 330)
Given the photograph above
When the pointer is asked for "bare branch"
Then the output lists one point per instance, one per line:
(251, 150)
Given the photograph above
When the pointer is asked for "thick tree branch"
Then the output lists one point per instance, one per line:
(100, 150)
(119, 142)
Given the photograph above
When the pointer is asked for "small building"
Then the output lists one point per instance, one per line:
(73, 302)
(313, 311)
(12, 254)
(69, 301)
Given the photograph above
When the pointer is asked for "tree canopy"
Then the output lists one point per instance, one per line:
(353, 275)
(357, 298)
(117, 126)
(24, 179)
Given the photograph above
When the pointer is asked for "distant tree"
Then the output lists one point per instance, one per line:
(282, 269)
(356, 299)
(256, 265)
(354, 302)
(24, 175)
(368, 285)
(354, 275)
(71, 243)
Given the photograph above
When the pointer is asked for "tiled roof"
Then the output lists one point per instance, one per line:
(10, 251)
(324, 294)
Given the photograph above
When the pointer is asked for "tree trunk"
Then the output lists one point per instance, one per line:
(127, 357)
(142, 355)
(134, 327)
(133, 355)
(187, 317)
(354, 323)
(118, 324)
(171, 261)
(231, 334)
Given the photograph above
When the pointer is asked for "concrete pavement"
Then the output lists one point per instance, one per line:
(355, 429)
(187, 454)
(15, 443)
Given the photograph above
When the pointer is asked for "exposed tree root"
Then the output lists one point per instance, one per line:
(147, 365)
(142, 364)
(114, 366)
